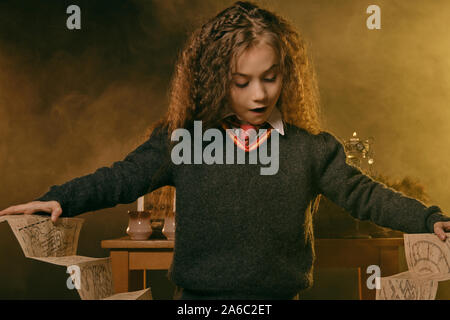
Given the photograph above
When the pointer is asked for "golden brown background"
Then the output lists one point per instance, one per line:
(72, 101)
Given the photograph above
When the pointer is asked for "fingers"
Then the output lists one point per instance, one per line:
(439, 228)
(51, 207)
(56, 212)
(11, 210)
(446, 225)
(27, 208)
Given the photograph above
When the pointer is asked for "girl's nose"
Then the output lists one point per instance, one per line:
(259, 92)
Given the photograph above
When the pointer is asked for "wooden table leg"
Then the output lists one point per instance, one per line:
(388, 263)
(360, 281)
(120, 271)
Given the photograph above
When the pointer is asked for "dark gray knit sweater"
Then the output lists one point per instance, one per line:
(240, 234)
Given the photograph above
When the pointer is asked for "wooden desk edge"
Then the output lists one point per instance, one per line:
(126, 243)
(378, 242)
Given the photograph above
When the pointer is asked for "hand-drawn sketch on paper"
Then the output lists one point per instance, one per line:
(39, 237)
(145, 294)
(426, 254)
(96, 280)
(405, 286)
(428, 260)
(42, 240)
(95, 274)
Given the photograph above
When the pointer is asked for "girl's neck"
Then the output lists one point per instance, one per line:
(243, 122)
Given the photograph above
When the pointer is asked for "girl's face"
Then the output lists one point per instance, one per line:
(256, 84)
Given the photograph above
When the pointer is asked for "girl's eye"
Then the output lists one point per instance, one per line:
(271, 79)
(267, 80)
(241, 85)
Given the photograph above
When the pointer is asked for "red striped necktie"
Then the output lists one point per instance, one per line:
(243, 140)
(244, 133)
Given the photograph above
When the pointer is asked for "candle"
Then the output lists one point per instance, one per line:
(140, 204)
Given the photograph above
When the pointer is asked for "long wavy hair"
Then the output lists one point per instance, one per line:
(199, 88)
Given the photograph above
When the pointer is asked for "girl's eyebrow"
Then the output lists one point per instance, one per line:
(246, 75)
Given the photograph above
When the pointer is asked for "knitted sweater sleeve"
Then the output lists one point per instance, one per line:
(142, 171)
(365, 198)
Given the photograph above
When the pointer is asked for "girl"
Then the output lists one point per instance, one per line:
(240, 234)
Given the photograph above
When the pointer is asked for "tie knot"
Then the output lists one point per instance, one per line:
(246, 127)
(242, 138)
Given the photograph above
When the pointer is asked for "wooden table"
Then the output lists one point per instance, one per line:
(128, 255)
(360, 253)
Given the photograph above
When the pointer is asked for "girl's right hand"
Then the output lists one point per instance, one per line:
(52, 207)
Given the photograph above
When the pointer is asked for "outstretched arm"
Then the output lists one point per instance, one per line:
(367, 199)
(142, 171)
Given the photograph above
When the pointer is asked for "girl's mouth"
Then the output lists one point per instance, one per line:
(259, 110)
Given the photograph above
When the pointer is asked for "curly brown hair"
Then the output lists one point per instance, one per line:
(199, 88)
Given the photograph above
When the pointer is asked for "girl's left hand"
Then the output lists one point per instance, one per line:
(440, 228)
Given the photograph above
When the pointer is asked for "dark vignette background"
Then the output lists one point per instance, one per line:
(72, 101)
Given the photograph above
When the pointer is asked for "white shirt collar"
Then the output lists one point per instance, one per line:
(275, 120)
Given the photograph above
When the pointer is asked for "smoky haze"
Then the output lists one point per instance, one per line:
(392, 84)
(72, 101)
